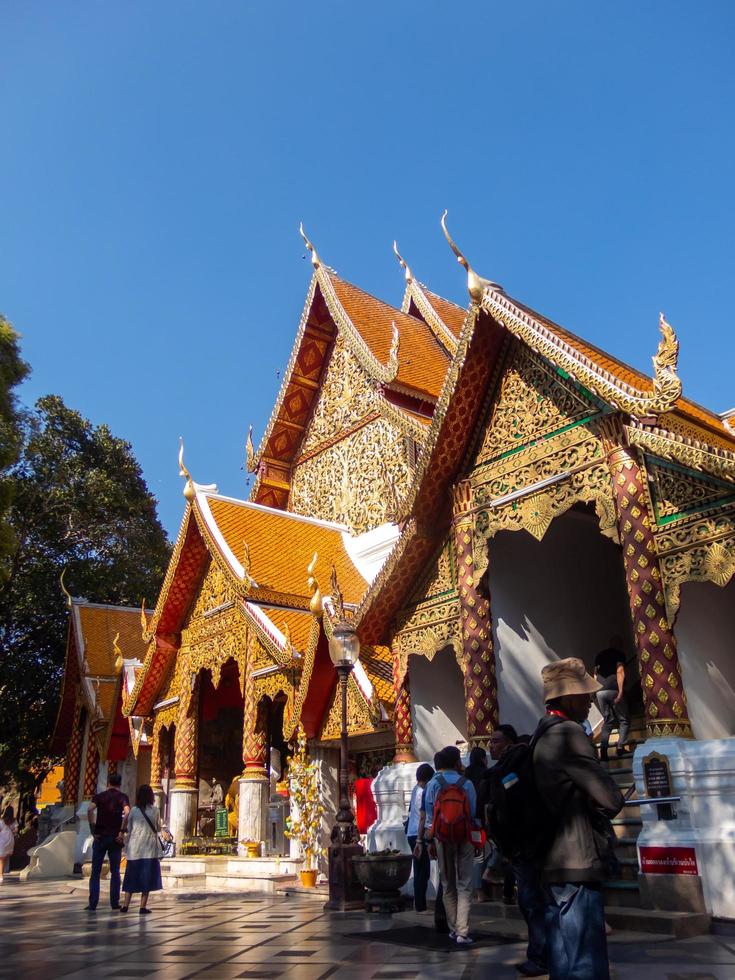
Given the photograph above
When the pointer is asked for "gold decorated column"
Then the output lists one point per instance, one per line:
(478, 655)
(664, 700)
(184, 795)
(254, 782)
(157, 764)
(402, 721)
(73, 760)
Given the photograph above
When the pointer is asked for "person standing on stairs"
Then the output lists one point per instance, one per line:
(581, 799)
(610, 673)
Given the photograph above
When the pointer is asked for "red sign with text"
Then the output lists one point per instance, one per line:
(668, 860)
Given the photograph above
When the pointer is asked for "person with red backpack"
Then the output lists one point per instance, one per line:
(450, 818)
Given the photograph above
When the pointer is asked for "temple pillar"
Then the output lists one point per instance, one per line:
(185, 792)
(91, 767)
(664, 699)
(157, 768)
(111, 768)
(73, 760)
(402, 721)
(478, 654)
(254, 783)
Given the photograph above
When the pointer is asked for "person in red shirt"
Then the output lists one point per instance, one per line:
(105, 815)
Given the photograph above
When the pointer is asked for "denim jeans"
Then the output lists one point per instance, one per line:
(532, 903)
(113, 850)
(616, 716)
(421, 872)
(575, 933)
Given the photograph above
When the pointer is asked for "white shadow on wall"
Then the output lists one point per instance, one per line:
(437, 703)
(705, 633)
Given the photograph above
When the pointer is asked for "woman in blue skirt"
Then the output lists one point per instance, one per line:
(143, 850)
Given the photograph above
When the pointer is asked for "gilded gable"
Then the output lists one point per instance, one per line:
(354, 463)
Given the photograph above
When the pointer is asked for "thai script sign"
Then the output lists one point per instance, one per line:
(668, 860)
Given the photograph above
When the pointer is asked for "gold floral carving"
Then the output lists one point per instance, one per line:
(358, 481)
(534, 401)
(699, 552)
(689, 452)
(679, 492)
(360, 721)
(346, 397)
(639, 402)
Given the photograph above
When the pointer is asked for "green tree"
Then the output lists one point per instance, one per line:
(80, 503)
(12, 371)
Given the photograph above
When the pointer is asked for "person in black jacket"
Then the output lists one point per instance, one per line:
(581, 798)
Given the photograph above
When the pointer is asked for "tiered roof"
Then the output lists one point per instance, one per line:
(406, 352)
(99, 637)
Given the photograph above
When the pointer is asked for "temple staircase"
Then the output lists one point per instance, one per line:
(623, 908)
(213, 874)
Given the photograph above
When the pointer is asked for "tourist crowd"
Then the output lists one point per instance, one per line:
(540, 818)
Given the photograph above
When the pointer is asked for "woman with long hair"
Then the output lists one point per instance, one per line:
(143, 850)
(8, 832)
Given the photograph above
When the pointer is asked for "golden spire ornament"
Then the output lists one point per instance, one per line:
(315, 260)
(476, 285)
(118, 653)
(189, 490)
(67, 595)
(315, 603)
(250, 452)
(402, 262)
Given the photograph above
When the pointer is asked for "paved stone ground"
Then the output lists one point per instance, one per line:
(44, 933)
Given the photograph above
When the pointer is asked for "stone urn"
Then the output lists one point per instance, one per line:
(383, 874)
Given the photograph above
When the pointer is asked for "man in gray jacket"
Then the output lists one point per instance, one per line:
(581, 798)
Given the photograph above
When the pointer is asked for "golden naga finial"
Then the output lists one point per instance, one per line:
(402, 262)
(250, 452)
(143, 621)
(315, 603)
(392, 365)
(246, 558)
(189, 491)
(118, 653)
(285, 629)
(666, 382)
(67, 595)
(315, 260)
(337, 597)
(476, 285)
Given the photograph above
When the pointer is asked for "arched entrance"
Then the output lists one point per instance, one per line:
(563, 596)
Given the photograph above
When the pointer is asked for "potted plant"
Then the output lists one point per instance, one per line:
(305, 822)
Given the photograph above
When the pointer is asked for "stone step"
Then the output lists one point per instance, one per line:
(621, 893)
(628, 868)
(677, 925)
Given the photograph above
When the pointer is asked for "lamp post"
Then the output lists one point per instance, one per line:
(345, 891)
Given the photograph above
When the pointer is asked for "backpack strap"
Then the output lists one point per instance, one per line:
(461, 782)
(441, 780)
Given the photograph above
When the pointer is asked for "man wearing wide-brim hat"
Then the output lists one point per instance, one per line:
(581, 798)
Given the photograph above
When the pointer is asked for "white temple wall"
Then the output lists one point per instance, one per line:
(437, 703)
(705, 632)
(564, 596)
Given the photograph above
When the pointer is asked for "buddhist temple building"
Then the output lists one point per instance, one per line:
(489, 492)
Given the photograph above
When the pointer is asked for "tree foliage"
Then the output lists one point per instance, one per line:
(79, 503)
(12, 371)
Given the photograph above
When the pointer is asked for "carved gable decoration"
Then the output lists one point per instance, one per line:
(346, 398)
(535, 401)
(677, 493)
(361, 719)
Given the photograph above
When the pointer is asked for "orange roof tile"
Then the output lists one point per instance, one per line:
(281, 547)
(378, 666)
(422, 361)
(99, 625)
(298, 621)
(449, 313)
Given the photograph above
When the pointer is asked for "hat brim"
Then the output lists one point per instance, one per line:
(563, 686)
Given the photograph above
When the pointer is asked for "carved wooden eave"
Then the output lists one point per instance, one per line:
(427, 510)
(641, 402)
(696, 455)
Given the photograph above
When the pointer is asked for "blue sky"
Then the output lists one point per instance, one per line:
(158, 157)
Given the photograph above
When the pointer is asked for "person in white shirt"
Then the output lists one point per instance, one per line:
(421, 859)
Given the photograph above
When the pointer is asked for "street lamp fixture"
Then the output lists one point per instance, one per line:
(345, 891)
